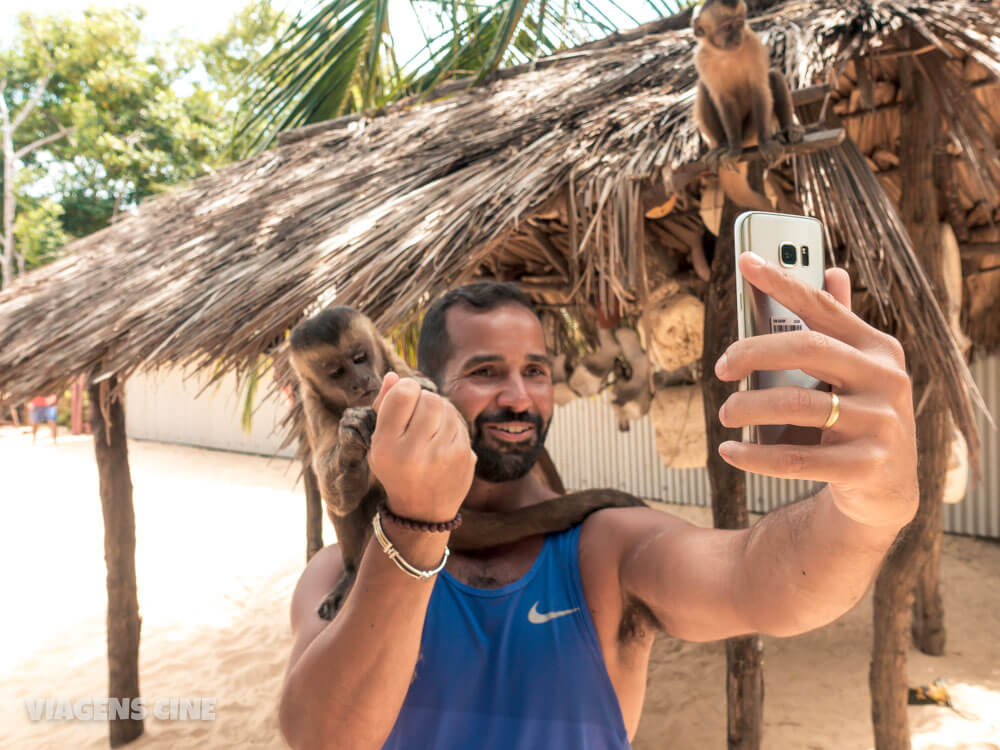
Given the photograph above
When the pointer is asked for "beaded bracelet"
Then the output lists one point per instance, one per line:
(414, 525)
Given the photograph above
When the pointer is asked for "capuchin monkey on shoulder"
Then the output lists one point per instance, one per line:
(340, 360)
(739, 97)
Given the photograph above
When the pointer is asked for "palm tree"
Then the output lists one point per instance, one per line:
(343, 58)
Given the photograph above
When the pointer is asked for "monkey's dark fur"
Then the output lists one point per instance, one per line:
(738, 96)
(340, 360)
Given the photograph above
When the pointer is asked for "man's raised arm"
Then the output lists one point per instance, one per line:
(347, 679)
(804, 565)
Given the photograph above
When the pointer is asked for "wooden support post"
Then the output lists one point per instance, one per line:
(928, 608)
(76, 406)
(124, 623)
(314, 511)
(976, 251)
(744, 682)
(921, 127)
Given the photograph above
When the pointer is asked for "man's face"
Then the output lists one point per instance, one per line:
(499, 377)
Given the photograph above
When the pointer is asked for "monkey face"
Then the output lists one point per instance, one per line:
(720, 24)
(342, 376)
(352, 369)
(336, 353)
(499, 377)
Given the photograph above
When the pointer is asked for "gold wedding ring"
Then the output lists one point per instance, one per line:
(834, 412)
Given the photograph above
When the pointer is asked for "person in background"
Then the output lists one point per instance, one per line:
(44, 409)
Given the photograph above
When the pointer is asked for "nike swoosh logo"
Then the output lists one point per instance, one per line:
(538, 618)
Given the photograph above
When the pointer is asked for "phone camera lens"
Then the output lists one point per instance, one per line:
(788, 254)
(805, 255)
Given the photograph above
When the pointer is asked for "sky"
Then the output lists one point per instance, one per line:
(194, 19)
(200, 19)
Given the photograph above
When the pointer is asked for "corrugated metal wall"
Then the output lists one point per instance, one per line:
(164, 405)
(589, 451)
(584, 442)
(979, 512)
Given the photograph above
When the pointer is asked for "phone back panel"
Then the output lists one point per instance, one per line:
(770, 235)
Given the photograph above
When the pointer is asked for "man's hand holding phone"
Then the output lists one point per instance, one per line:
(868, 456)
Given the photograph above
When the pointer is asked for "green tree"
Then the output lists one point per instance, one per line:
(20, 96)
(142, 116)
(39, 231)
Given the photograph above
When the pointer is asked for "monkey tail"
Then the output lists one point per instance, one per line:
(734, 184)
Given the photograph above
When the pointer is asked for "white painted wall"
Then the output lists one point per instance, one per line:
(165, 406)
(584, 442)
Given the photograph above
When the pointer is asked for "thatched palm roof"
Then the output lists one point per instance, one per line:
(541, 174)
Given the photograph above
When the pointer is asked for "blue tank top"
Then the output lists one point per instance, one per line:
(515, 667)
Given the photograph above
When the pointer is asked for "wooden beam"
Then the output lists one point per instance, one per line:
(890, 54)
(978, 250)
(107, 418)
(991, 269)
(816, 140)
(809, 95)
(896, 105)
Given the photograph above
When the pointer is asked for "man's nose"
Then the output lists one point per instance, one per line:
(514, 394)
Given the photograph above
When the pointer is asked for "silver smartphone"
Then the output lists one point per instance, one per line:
(794, 243)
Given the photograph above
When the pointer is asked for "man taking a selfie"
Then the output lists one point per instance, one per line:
(546, 642)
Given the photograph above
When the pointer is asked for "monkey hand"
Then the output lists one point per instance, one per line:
(721, 157)
(771, 152)
(356, 427)
(730, 157)
(794, 133)
(420, 451)
(426, 383)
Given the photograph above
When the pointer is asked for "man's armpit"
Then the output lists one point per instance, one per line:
(638, 622)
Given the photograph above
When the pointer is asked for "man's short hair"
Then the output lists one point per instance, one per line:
(434, 346)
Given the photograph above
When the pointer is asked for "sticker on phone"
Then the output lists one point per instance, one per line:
(781, 325)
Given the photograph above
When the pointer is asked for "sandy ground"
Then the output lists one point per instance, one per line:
(220, 546)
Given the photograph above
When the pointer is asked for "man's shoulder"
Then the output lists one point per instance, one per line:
(616, 517)
(619, 529)
(607, 530)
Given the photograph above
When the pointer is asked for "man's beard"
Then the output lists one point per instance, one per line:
(512, 460)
